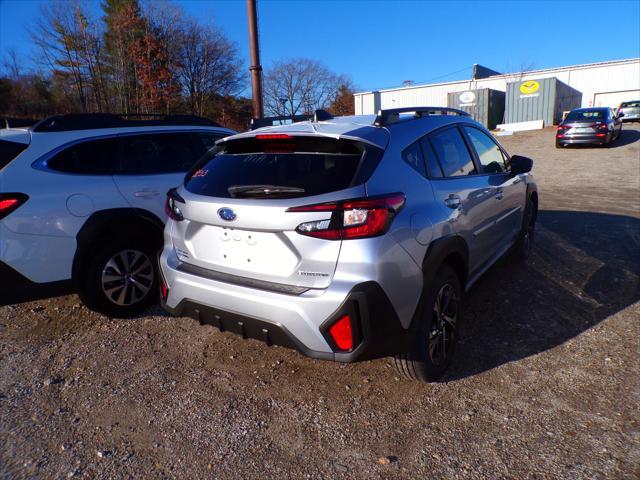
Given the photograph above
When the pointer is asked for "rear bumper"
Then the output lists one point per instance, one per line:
(583, 140)
(300, 322)
(16, 288)
(39, 258)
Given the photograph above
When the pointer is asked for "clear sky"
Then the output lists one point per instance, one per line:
(382, 43)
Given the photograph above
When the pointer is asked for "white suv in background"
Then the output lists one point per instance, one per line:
(82, 199)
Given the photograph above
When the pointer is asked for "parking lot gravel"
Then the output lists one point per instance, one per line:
(546, 384)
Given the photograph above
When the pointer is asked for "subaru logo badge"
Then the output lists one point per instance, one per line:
(227, 214)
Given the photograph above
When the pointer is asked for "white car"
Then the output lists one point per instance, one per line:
(82, 200)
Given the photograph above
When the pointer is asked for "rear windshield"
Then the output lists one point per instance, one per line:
(630, 104)
(586, 116)
(9, 151)
(282, 168)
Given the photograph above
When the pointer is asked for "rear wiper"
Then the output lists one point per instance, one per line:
(261, 190)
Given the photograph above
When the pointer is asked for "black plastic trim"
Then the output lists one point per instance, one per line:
(16, 288)
(104, 225)
(378, 331)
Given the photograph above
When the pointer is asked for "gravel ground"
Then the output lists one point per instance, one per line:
(547, 382)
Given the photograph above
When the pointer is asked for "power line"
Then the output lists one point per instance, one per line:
(421, 81)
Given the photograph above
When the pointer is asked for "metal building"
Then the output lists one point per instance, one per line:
(601, 84)
(485, 106)
(544, 99)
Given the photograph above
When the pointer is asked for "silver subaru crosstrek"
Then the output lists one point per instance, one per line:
(347, 238)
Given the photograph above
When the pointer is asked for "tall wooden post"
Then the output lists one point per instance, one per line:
(256, 68)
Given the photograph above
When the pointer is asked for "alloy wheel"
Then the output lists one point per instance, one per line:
(528, 233)
(127, 277)
(443, 325)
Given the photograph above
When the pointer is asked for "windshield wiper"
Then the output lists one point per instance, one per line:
(262, 190)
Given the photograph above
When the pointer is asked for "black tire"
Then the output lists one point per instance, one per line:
(558, 145)
(425, 361)
(121, 278)
(524, 244)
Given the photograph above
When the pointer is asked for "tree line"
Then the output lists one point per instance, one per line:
(144, 58)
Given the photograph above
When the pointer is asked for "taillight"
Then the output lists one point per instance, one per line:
(359, 218)
(170, 208)
(342, 333)
(10, 201)
(600, 126)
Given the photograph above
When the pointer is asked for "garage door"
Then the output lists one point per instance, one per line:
(613, 99)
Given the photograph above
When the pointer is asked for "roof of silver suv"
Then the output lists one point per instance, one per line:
(373, 129)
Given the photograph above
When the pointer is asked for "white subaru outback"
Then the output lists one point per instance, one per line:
(82, 204)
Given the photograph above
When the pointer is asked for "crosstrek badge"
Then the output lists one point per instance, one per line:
(529, 87)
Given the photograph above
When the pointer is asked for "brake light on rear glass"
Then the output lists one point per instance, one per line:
(273, 136)
(359, 218)
(11, 201)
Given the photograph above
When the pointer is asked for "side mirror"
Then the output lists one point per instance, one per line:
(520, 164)
(620, 114)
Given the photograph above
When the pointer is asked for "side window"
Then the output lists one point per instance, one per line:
(94, 157)
(489, 154)
(452, 153)
(9, 151)
(159, 153)
(430, 158)
(206, 141)
(413, 156)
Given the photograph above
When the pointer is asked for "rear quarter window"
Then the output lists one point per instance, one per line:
(93, 157)
(9, 151)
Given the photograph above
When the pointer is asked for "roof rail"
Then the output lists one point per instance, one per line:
(392, 115)
(278, 120)
(318, 116)
(321, 115)
(14, 122)
(90, 121)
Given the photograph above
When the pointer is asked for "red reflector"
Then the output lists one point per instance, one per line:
(164, 289)
(559, 135)
(273, 136)
(341, 333)
(601, 134)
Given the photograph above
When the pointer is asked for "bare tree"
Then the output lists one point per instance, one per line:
(11, 64)
(70, 47)
(208, 65)
(300, 85)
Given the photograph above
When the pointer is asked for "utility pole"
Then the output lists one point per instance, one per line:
(256, 68)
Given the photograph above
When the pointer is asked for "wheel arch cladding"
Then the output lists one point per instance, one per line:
(115, 223)
(451, 250)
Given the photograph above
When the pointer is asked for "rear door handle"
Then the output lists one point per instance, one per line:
(146, 194)
(499, 194)
(452, 201)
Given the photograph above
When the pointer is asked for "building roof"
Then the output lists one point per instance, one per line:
(512, 74)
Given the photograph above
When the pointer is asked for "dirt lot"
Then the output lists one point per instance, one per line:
(547, 383)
